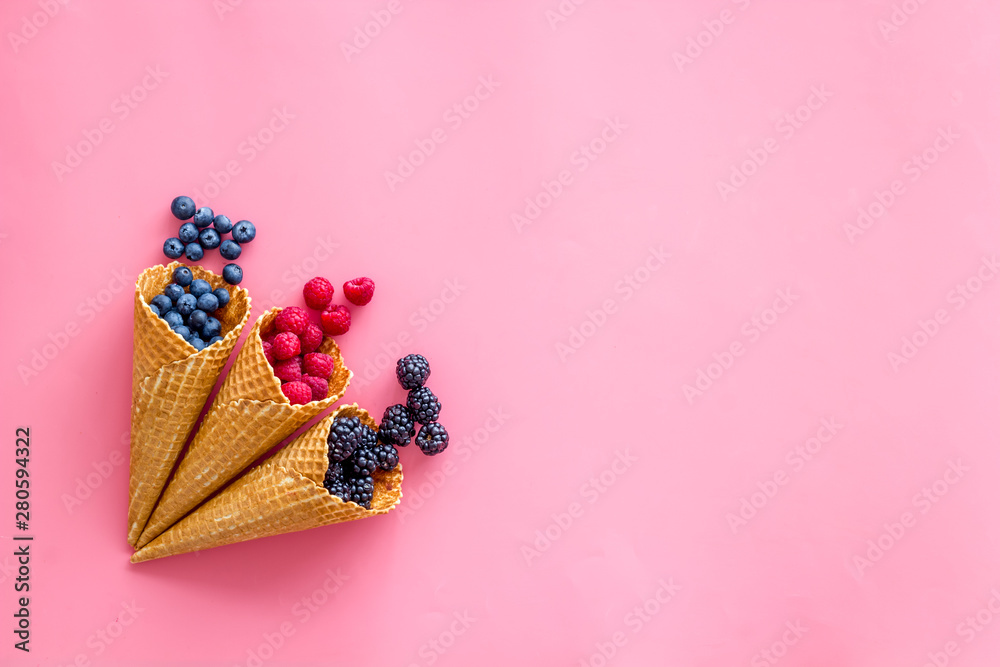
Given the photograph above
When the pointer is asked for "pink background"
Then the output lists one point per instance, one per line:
(535, 322)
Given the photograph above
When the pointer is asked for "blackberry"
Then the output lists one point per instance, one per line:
(369, 438)
(336, 483)
(432, 439)
(362, 490)
(386, 456)
(412, 371)
(424, 405)
(362, 462)
(397, 426)
(345, 434)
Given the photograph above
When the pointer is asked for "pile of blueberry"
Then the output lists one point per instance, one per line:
(196, 236)
(187, 306)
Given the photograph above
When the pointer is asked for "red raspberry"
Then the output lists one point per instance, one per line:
(292, 319)
(268, 351)
(288, 370)
(311, 338)
(298, 393)
(318, 293)
(286, 345)
(336, 320)
(319, 365)
(359, 291)
(320, 387)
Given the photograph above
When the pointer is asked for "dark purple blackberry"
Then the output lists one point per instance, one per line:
(412, 371)
(397, 426)
(336, 483)
(344, 438)
(362, 462)
(386, 456)
(362, 490)
(424, 405)
(432, 439)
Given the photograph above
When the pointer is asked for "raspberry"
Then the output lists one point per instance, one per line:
(386, 456)
(268, 351)
(311, 338)
(286, 345)
(359, 291)
(362, 490)
(344, 437)
(319, 365)
(336, 320)
(432, 439)
(320, 387)
(397, 426)
(318, 293)
(424, 405)
(289, 370)
(292, 319)
(336, 483)
(412, 371)
(298, 393)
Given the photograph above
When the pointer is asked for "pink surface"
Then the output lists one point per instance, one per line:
(704, 412)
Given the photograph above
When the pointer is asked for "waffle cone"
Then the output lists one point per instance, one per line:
(170, 383)
(250, 415)
(282, 495)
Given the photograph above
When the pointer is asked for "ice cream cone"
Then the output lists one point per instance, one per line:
(282, 495)
(170, 383)
(250, 415)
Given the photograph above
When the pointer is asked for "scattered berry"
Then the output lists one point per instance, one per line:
(162, 302)
(197, 343)
(186, 304)
(386, 456)
(212, 328)
(424, 405)
(232, 274)
(197, 320)
(336, 320)
(173, 248)
(362, 491)
(320, 387)
(311, 338)
(199, 287)
(318, 293)
(182, 207)
(268, 351)
(194, 252)
(298, 393)
(318, 365)
(173, 318)
(344, 438)
(222, 294)
(412, 371)
(203, 217)
(230, 249)
(397, 426)
(209, 238)
(208, 303)
(188, 233)
(289, 370)
(173, 291)
(244, 232)
(359, 291)
(432, 439)
(222, 224)
(183, 276)
(292, 319)
(286, 345)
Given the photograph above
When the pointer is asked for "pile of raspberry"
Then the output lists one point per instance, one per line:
(188, 306)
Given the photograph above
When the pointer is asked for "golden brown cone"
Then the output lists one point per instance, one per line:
(170, 383)
(282, 495)
(250, 415)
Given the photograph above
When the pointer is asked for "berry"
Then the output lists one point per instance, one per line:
(209, 238)
(288, 370)
(222, 224)
(244, 231)
(318, 365)
(186, 304)
(197, 343)
(173, 248)
(335, 320)
(432, 439)
(292, 319)
(212, 328)
(193, 252)
(362, 462)
(319, 386)
(335, 482)
(214, 339)
(199, 287)
(208, 303)
(362, 491)
(268, 351)
(369, 438)
(298, 393)
(318, 293)
(173, 318)
(230, 249)
(344, 437)
(222, 294)
(359, 291)
(156, 311)
(203, 217)
(188, 233)
(182, 207)
(412, 371)
(286, 345)
(397, 426)
(311, 338)
(197, 320)
(386, 456)
(162, 302)
(232, 274)
(173, 291)
(183, 332)
(424, 405)
(183, 276)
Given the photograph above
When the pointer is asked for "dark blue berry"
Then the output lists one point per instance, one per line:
(230, 249)
(196, 320)
(182, 207)
(197, 343)
(208, 303)
(188, 233)
(173, 291)
(362, 490)
(212, 328)
(412, 371)
(162, 302)
(424, 405)
(343, 439)
(232, 274)
(222, 294)
(183, 332)
(183, 276)
(193, 252)
(186, 304)
(199, 287)
(203, 217)
(209, 238)
(173, 248)
(244, 232)
(156, 311)
(397, 426)
(432, 439)
(173, 318)
(222, 224)
(215, 339)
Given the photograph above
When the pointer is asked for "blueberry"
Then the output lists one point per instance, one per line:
(162, 302)
(203, 217)
(183, 332)
(232, 274)
(209, 238)
(188, 233)
(196, 320)
(173, 318)
(173, 248)
(197, 343)
(173, 292)
(223, 224)
(156, 311)
(230, 249)
(222, 294)
(215, 339)
(212, 328)
(193, 252)
(244, 232)
(182, 276)
(199, 287)
(182, 207)
(186, 304)
(208, 303)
